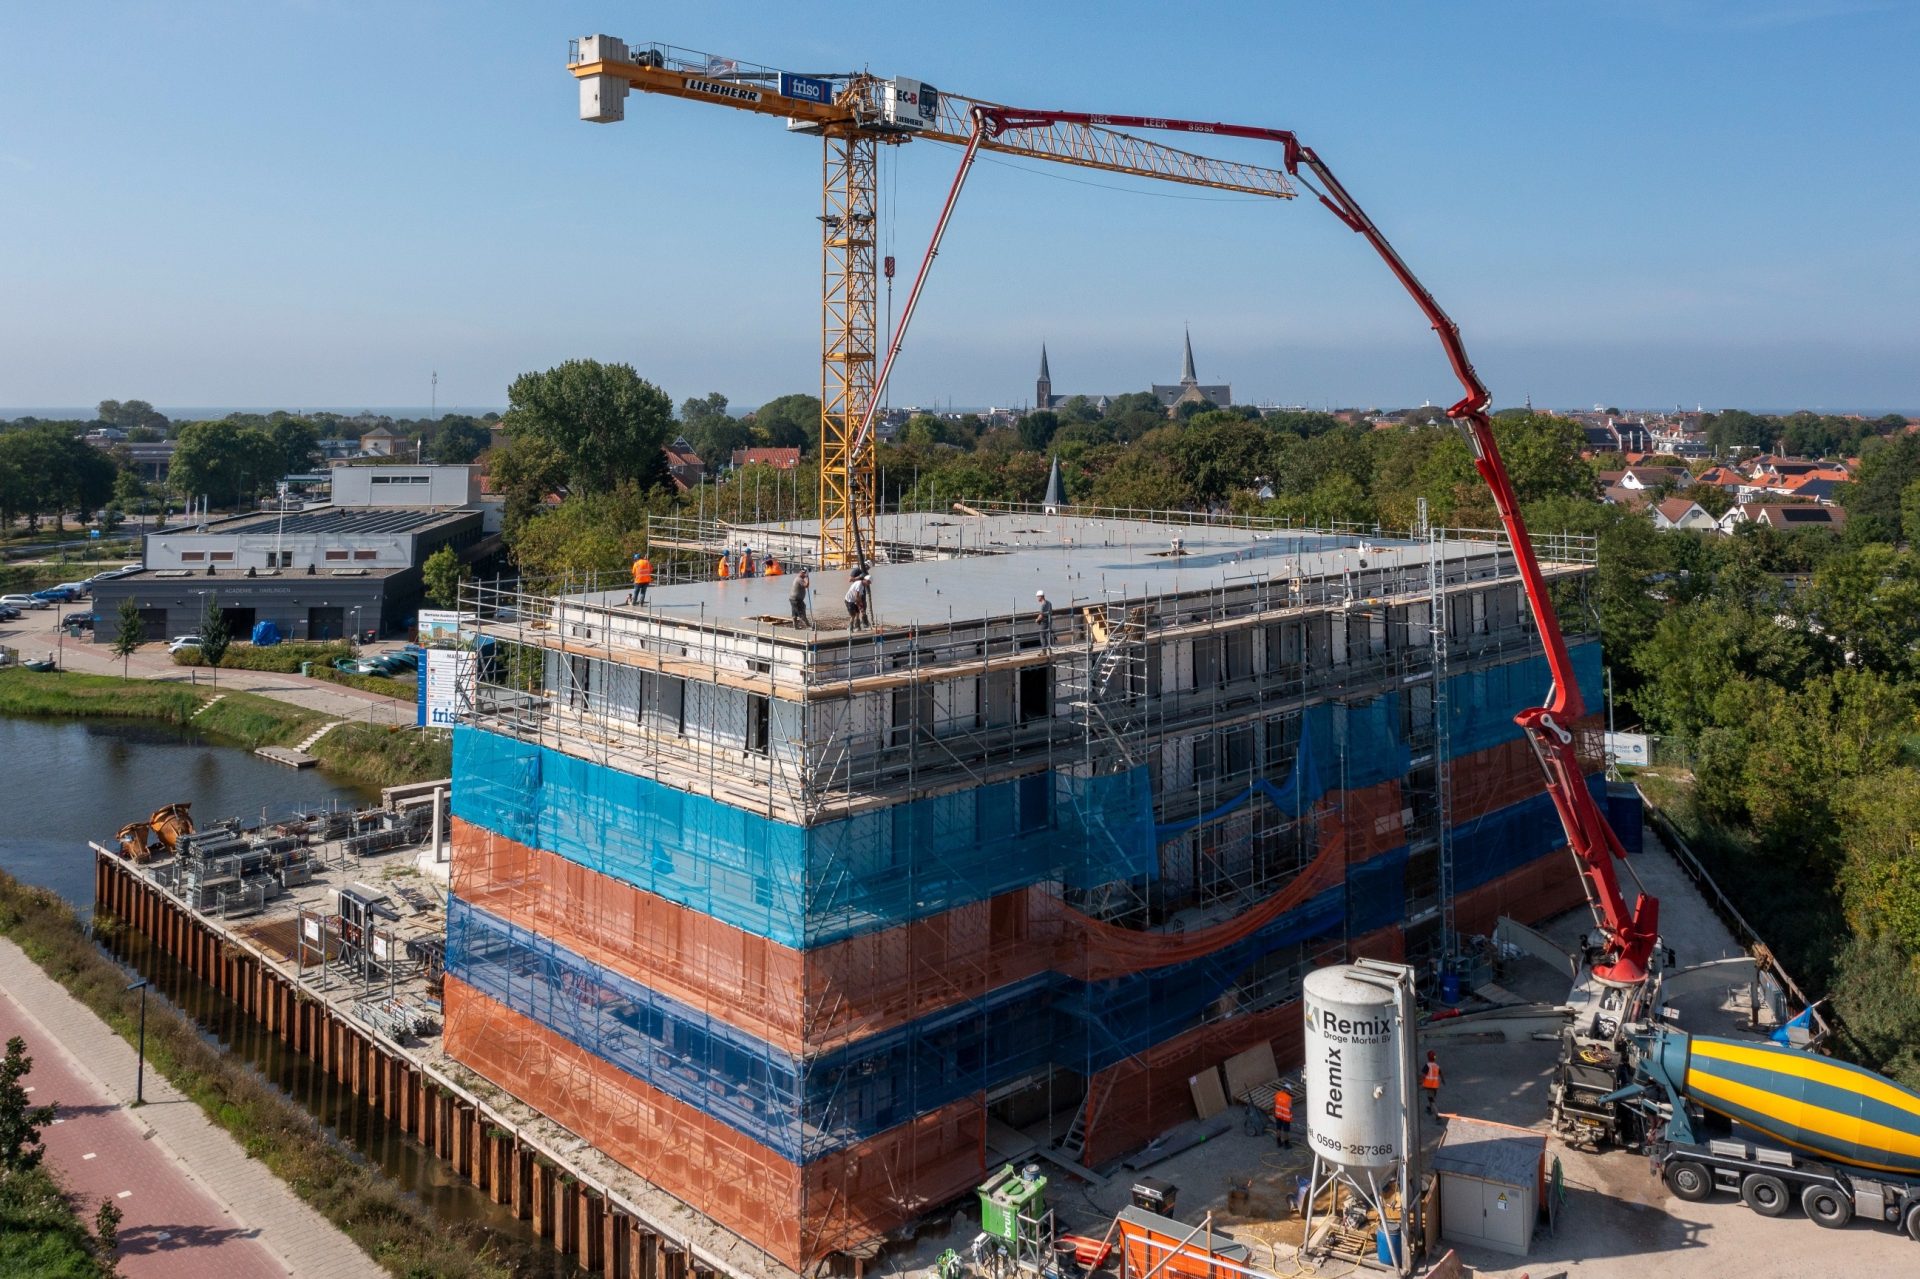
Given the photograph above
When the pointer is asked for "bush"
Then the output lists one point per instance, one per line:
(386, 756)
(39, 1233)
(283, 659)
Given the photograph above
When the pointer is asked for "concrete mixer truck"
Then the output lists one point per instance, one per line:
(1777, 1125)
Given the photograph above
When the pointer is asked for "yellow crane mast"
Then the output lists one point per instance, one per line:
(854, 114)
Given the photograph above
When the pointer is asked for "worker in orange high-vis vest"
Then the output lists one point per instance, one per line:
(642, 579)
(1283, 1117)
(1430, 1080)
(726, 565)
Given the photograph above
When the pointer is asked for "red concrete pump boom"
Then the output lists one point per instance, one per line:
(1630, 934)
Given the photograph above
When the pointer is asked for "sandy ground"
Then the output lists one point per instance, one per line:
(1619, 1221)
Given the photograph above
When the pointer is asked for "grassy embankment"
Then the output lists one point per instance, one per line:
(369, 1207)
(362, 753)
(40, 1234)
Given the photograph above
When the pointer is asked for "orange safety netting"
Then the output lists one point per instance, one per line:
(1131, 1103)
(797, 1214)
(808, 1001)
(1537, 891)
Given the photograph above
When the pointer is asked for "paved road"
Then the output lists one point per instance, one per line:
(195, 1205)
(36, 634)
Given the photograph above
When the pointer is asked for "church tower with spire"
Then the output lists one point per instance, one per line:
(1043, 385)
(1189, 390)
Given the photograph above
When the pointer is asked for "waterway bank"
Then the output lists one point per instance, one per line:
(364, 754)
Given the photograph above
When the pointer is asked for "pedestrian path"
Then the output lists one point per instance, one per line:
(206, 706)
(194, 1203)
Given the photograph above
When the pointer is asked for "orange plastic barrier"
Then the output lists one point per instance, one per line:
(797, 1214)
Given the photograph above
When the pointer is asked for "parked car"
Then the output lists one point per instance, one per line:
(183, 641)
(26, 601)
(8, 613)
(74, 590)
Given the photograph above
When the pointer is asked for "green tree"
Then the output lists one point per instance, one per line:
(1878, 999)
(1738, 429)
(106, 1235)
(214, 636)
(442, 574)
(789, 422)
(712, 430)
(1888, 467)
(1036, 429)
(601, 424)
(225, 462)
(460, 440)
(295, 443)
(129, 634)
(20, 1123)
(1867, 599)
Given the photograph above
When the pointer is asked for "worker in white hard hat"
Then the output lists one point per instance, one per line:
(1044, 616)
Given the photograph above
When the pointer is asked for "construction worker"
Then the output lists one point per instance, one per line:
(773, 568)
(1283, 1117)
(856, 601)
(1430, 1080)
(726, 565)
(746, 562)
(642, 579)
(1044, 615)
(798, 597)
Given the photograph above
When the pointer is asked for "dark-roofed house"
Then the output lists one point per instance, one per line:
(1679, 512)
(683, 464)
(1784, 515)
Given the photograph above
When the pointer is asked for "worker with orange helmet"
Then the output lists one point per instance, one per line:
(642, 579)
(1283, 1117)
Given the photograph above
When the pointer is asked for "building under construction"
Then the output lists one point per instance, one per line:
(791, 919)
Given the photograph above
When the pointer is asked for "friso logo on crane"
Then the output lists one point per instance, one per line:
(806, 88)
(720, 89)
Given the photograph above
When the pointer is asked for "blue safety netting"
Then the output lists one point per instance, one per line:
(1481, 703)
(807, 1107)
(804, 887)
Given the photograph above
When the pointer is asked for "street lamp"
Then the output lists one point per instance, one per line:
(140, 1079)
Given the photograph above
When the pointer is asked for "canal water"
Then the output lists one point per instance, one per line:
(77, 780)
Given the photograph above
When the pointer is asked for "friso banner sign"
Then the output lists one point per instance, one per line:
(806, 88)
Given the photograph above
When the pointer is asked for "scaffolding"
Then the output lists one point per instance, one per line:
(806, 901)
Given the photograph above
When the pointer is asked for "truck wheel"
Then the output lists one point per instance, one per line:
(1913, 1222)
(1766, 1194)
(1826, 1206)
(1689, 1179)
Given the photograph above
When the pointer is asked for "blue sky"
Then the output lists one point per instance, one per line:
(316, 203)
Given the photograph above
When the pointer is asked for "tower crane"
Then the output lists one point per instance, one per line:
(854, 115)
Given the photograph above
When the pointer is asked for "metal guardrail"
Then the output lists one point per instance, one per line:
(1745, 933)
